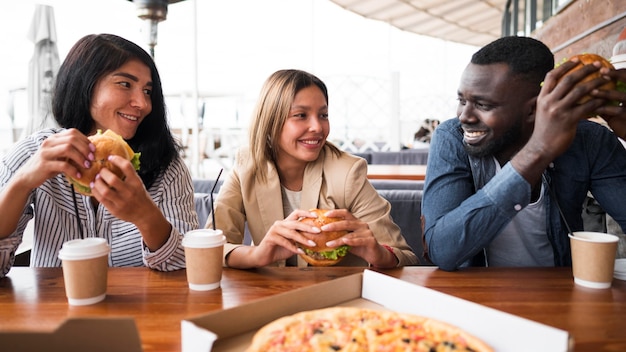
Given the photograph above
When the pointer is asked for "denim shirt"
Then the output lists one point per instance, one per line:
(465, 206)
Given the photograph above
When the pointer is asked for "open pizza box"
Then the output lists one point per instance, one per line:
(77, 334)
(232, 329)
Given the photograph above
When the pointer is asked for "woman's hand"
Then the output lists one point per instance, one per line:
(279, 242)
(360, 238)
(127, 199)
(59, 153)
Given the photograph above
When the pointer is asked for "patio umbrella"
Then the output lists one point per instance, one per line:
(43, 68)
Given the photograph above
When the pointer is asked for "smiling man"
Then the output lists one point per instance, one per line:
(518, 155)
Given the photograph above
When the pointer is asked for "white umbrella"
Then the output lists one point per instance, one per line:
(43, 69)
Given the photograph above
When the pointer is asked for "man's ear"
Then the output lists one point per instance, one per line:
(531, 107)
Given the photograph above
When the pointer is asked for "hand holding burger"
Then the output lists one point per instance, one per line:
(612, 84)
(320, 254)
(107, 143)
(613, 92)
(589, 59)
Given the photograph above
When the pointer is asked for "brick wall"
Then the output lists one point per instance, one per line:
(578, 17)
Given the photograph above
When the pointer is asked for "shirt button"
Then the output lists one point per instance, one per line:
(517, 207)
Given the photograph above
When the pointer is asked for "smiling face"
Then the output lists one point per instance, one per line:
(121, 99)
(305, 130)
(496, 111)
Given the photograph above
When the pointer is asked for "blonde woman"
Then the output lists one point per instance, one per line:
(288, 168)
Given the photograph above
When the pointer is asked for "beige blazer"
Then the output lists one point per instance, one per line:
(330, 182)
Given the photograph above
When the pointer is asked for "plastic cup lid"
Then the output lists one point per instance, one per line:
(204, 238)
(87, 248)
(589, 236)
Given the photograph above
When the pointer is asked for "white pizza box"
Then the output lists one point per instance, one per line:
(232, 329)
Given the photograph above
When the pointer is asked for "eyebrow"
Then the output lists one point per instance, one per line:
(131, 77)
(304, 106)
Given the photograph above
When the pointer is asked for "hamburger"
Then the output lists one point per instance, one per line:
(588, 59)
(320, 254)
(107, 143)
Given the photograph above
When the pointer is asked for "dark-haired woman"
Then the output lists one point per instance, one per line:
(105, 82)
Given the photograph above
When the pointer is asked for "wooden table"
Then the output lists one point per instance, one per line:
(396, 172)
(34, 298)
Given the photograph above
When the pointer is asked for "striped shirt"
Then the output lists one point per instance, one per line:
(55, 222)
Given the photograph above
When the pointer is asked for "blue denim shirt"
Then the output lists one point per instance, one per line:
(461, 214)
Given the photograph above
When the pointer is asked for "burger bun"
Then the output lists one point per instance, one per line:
(107, 143)
(589, 59)
(320, 239)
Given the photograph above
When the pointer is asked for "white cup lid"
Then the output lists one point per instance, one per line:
(91, 247)
(589, 236)
(204, 238)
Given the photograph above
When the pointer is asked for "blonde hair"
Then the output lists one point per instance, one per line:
(271, 112)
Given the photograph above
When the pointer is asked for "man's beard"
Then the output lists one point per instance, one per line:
(510, 138)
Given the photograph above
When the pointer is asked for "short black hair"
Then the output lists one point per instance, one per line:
(525, 56)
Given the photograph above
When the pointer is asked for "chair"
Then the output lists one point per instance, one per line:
(203, 185)
(397, 184)
(406, 211)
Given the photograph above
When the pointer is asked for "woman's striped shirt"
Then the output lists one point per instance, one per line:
(55, 222)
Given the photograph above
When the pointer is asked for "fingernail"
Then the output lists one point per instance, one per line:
(92, 147)
(311, 243)
(97, 176)
(315, 229)
(91, 184)
(110, 157)
(91, 156)
(300, 250)
(87, 164)
(78, 175)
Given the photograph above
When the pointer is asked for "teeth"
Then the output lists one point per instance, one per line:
(310, 142)
(474, 134)
(129, 117)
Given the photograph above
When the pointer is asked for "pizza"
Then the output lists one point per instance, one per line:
(357, 329)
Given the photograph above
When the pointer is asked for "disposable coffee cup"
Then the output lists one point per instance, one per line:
(620, 269)
(85, 269)
(203, 257)
(593, 258)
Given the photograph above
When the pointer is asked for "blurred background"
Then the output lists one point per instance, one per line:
(390, 65)
(216, 54)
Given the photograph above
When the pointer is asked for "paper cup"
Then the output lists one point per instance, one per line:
(85, 269)
(620, 269)
(593, 258)
(618, 61)
(203, 257)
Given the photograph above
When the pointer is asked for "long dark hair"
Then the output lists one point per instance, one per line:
(92, 57)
